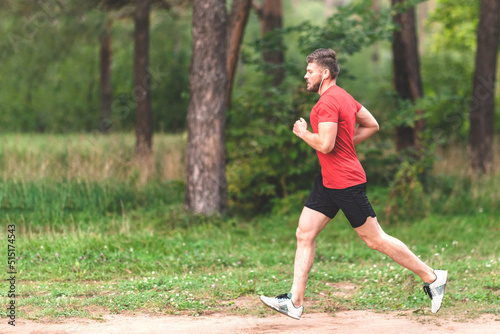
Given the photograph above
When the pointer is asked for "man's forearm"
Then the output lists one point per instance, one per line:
(313, 140)
(362, 133)
(322, 141)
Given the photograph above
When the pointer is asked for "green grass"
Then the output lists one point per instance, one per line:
(86, 157)
(86, 248)
(154, 257)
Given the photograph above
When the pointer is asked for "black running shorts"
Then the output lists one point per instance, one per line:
(352, 201)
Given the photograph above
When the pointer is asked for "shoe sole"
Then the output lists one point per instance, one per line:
(278, 310)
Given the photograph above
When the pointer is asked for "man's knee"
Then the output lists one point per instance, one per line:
(306, 237)
(372, 234)
(375, 242)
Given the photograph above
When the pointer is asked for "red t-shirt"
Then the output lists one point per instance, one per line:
(341, 167)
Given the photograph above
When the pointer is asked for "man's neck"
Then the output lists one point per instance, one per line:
(324, 87)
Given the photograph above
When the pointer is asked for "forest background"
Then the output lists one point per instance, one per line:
(95, 153)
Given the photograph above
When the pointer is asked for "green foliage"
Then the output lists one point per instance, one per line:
(458, 20)
(348, 31)
(266, 160)
(407, 199)
(379, 162)
(50, 68)
(170, 61)
(352, 27)
(447, 68)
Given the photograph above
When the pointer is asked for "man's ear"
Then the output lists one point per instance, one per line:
(327, 71)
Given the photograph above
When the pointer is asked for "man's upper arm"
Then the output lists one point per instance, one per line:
(365, 118)
(327, 132)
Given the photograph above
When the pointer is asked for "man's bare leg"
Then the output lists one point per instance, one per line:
(311, 223)
(371, 233)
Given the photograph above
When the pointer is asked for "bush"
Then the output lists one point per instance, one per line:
(266, 160)
(407, 199)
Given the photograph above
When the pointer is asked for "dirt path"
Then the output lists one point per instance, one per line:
(352, 322)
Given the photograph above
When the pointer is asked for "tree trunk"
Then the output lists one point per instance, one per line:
(142, 84)
(406, 65)
(482, 109)
(106, 89)
(270, 15)
(235, 31)
(206, 161)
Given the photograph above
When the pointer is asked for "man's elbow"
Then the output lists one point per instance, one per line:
(373, 130)
(325, 149)
(375, 127)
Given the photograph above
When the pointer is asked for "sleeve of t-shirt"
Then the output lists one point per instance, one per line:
(328, 112)
(358, 106)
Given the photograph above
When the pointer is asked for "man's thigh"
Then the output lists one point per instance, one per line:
(312, 222)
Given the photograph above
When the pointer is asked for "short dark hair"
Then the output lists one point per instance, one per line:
(326, 58)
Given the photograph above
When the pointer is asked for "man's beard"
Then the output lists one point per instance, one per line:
(314, 88)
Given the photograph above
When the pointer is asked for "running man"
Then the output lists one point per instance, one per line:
(341, 185)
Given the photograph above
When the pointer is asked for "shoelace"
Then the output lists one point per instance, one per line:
(427, 290)
(283, 296)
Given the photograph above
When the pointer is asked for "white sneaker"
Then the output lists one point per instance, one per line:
(283, 304)
(435, 290)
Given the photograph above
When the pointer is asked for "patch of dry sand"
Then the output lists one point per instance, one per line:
(351, 322)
